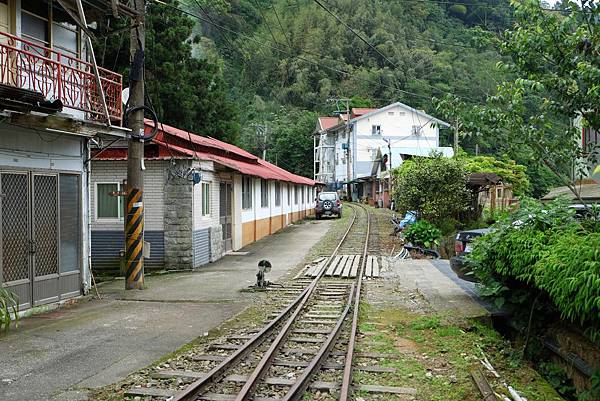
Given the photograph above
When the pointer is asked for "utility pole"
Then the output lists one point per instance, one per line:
(348, 151)
(134, 221)
(456, 137)
(389, 144)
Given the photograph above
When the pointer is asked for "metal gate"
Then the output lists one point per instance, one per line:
(225, 190)
(30, 237)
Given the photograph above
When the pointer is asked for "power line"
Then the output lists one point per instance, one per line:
(266, 21)
(346, 73)
(374, 48)
(281, 26)
(358, 35)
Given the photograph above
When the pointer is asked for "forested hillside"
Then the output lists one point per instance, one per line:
(258, 72)
(286, 58)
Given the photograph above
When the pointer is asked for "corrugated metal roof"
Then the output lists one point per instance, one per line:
(328, 122)
(171, 142)
(359, 111)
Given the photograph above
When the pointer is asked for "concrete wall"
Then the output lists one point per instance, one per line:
(107, 234)
(208, 234)
(179, 219)
(108, 171)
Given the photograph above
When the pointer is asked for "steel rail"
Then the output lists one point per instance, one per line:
(347, 378)
(247, 390)
(297, 390)
(194, 389)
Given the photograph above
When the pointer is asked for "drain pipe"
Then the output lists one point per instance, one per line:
(88, 175)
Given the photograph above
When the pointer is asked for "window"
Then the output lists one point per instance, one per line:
(289, 194)
(302, 194)
(264, 193)
(70, 223)
(277, 193)
(108, 204)
(205, 198)
(295, 194)
(246, 193)
(376, 129)
(331, 196)
(390, 113)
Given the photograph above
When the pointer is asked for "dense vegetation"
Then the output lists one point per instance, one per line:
(541, 263)
(236, 69)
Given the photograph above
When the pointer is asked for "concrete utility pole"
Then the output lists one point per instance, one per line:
(389, 144)
(348, 152)
(134, 223)
(456, 137)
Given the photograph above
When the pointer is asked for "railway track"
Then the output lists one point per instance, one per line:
(308, 346)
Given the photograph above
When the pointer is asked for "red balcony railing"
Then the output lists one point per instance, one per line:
(25, 64)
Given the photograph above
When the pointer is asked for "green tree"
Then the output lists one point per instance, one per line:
(508, 170)
(434, 187)
(186, 92)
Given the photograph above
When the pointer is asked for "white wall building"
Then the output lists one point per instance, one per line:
(397, 129)
(51, 110)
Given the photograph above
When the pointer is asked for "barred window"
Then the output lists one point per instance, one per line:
(205, 198)
(264, 193)
(246, 193)
(277, 193)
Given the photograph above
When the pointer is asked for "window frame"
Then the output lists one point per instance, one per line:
(295, 194)
(277, 193)
(376, 129)
(120, 209)
(264, 193)
(206, 201)
(248, 193)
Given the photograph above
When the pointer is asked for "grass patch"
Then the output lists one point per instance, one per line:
(435, 354)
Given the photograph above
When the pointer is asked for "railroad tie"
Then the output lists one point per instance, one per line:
(369, 266)
(340, 266)
(355, 265)
(348, 267)
(333, 265)
(375, 267)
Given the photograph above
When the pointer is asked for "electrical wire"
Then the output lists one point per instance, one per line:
(265, 20)
(342, 72)
(355, 33)
(281, 26)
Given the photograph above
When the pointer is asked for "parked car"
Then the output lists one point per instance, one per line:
(328, 204)
(463, 246)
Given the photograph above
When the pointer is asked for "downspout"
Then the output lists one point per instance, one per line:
(88, 177)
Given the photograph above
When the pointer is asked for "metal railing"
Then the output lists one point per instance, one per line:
(28, 65)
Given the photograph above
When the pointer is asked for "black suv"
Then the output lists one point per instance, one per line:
(328, 204)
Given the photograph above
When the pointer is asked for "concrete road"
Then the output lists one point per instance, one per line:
(58, 355)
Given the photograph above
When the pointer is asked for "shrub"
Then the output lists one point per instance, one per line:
(423, 233)
(9, 303)
(435, 187)
(543, 251)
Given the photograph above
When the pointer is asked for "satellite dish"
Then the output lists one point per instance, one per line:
(125, 96)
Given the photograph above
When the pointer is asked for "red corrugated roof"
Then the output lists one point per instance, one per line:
(359, 111)
(172, 142)
(328, 122)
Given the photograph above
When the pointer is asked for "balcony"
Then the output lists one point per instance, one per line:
(58, 76)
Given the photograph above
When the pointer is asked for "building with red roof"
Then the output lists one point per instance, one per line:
(202, 198)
